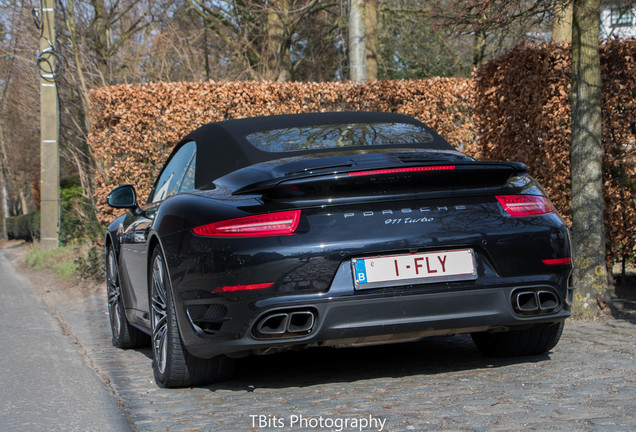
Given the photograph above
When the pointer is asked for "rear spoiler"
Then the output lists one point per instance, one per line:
(424, 177)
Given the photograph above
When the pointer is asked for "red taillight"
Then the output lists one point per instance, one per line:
(525, 205)
(248, 287)
(402, 170)
(557, 261)
(271, 224)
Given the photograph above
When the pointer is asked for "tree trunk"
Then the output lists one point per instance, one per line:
(102, 40)
(479, 47)
(3, 215)
(71, 27)
(278, 66)
(588, 228)
(206, 49)
(562, 24)
(83, 156)
(24, 205)
(371, 40)
(357, 43)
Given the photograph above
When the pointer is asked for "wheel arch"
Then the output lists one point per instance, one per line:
(153, 243)
(112, 241)
(109, 241)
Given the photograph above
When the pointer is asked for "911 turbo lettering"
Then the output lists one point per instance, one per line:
(408, 220)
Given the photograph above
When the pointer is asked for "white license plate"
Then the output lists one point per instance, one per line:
(440, 266)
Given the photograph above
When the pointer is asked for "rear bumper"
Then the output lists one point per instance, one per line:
(344, 317)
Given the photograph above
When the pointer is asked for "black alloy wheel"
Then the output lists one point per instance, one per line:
(172, 364)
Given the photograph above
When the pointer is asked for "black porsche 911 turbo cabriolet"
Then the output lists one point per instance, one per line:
(331, 229)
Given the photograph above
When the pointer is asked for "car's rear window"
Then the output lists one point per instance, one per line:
(339, 135)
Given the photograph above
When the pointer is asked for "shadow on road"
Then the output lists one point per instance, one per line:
(623, 299)
(436, 355)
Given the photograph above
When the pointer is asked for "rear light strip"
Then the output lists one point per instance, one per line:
(270, 224)
(401, 170)
(557, 261)
(525, 205)
(249, 287)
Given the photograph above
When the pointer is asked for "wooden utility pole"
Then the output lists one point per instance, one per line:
(49, 133)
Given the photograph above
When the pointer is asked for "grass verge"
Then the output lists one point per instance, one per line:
(63, 260)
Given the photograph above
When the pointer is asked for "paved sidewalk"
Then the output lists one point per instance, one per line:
(47, 384)
(588, 383)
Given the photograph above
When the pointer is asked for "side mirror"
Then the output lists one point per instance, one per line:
(123, 197)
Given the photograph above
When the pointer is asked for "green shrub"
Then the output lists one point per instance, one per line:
(77, 219)
(24, 227)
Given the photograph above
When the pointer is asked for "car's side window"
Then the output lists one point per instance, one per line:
(174, 172)
(187, 184)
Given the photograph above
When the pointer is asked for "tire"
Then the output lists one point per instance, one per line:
(535, 340)
(172, 364)
(124, 334)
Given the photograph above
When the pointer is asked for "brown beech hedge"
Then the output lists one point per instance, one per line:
(516, 108)
(136, 126)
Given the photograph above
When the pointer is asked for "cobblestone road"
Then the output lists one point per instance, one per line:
(588, 383)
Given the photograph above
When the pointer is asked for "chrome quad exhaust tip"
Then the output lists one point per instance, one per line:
(286, 324)
(529, 301)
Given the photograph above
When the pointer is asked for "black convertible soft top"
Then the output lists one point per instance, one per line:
(224, 147)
